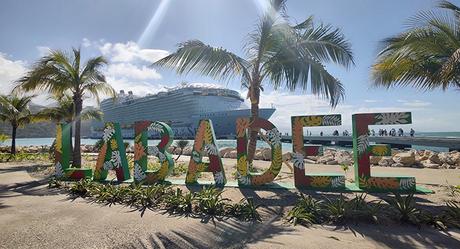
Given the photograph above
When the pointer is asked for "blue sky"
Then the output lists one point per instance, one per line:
(120, 30)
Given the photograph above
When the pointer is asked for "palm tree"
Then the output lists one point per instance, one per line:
(426, 55)
(181, 144)
(64, 111)
(15, 110)
(59, 73)
(278, 53)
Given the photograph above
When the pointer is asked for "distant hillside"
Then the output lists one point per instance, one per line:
(42, 129)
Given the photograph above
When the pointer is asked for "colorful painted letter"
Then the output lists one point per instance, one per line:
(324, 181)
(205, 140)
(62, 156)
(245, 177)
(142, 150)
(112, 155)
(362, 150)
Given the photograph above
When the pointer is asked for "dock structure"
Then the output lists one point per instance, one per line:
(450, 143)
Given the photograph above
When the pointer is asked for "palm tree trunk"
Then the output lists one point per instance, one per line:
(254, 97)
(13, 140)
(71, 144)
(77, 150)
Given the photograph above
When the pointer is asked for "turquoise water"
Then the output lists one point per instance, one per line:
(226, 143)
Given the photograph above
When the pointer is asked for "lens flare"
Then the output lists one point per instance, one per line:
(149, 32)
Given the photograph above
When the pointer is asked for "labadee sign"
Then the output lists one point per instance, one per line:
(112, 155)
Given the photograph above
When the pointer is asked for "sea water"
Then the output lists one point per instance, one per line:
(225, 142)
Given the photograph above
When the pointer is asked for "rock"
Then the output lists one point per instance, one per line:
(455, 157)
(287, 157)
(333, 162)
(434, 158)
(232, 154)
(428, 164)
(313, 158)
(266, 154)
(258, 155)
(375, 159)
(405, 158)
(343, 157)
(397, 165)
(325, 159)
(445, 166)
(187, 151)
(386, 161)
(224, 151)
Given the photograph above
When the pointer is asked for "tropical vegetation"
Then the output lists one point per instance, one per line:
(62, 73)
(64, 111)
(426, 55)
(277, 53)
(15, 110)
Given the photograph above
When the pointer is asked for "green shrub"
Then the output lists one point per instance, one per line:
(82, 188)
(245, 210)
(210, 201)
(306, 211)
(405, 208)
(179, 203)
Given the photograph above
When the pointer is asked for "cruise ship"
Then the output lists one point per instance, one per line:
(182, 107)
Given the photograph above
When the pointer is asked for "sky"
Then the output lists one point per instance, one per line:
(133, 34)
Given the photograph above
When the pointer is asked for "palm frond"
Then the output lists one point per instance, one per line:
(196, 56)
(91, 114)
(425, 56)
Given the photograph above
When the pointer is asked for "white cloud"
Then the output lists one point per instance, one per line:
(288, 105)
(128, 70)
(9, 72)
(43, 50)
(414, 103)
(129, 66)
(371, 101)
(130, 51)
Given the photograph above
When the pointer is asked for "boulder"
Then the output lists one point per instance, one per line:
(455, 156)
(333, 162)
(375, 159)
(343, 157)
(434, 158)
(266, 154)
(397, 165)
(405, 158)
(445, 157)
(325, 159)
(287, 157)
(187, 151)
(232, 154)
(258, 155)
(428, 164)
(224, 151)
(386, 161)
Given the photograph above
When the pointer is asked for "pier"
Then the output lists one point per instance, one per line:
(394, 142)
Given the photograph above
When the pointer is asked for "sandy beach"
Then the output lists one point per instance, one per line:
(33, 216)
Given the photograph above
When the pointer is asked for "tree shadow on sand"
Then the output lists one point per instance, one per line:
(224, 234)
(402, 235)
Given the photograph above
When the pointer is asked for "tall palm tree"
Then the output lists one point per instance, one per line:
(15, 110)
(58, 73)
(64, 111)
(278, 53)
(426, 55)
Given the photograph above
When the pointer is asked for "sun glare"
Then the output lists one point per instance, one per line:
(151, 28)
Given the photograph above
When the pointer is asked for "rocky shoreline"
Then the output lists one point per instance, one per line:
(399, 158)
